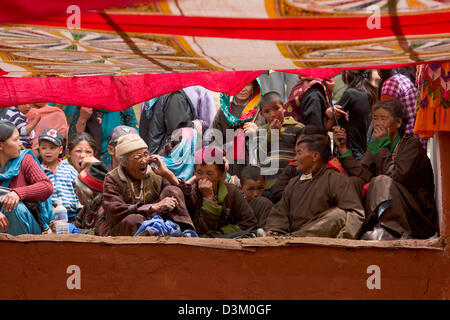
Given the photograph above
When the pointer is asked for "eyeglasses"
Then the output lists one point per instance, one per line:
(139, 157)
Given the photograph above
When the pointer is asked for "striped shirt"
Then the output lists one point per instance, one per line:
(20, 121)
(64, 187)
(279, 153)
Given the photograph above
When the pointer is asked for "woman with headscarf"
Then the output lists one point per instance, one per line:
(204, 105)
(161, 116)
(26, 190)
(172, 123)
(233, 114)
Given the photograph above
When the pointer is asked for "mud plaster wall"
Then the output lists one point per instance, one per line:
(444, 150)
(435, 157)
(268, 269)
(156, 270)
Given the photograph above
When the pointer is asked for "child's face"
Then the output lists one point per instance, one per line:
(82, 150)
(24, 108)
(253, 188)
(273, 110)
(49, 151)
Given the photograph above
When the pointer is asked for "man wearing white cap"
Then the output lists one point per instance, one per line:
(134, 191)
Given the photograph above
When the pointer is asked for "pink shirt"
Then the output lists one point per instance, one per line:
(51, 117)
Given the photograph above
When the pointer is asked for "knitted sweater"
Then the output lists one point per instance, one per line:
(31, 184)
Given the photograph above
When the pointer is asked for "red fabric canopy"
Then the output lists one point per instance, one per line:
(122, 56)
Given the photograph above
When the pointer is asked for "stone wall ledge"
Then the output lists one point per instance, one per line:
(249, 244)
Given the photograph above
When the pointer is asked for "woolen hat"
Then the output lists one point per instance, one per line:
(129, 143)
(93, 176)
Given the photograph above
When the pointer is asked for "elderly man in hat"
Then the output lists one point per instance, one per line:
(135, 191)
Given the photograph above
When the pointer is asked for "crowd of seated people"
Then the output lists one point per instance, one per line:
(260, 163)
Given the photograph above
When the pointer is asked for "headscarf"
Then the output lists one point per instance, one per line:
(204, 104)
(250, 107)
(12, 170)
(147, 107)
(181, 160)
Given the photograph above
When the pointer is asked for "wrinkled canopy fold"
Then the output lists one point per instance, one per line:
(126, 52)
